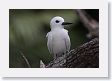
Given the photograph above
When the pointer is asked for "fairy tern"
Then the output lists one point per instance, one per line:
(58, 40)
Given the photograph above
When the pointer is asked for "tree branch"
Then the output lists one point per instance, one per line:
(85, 56)
(91, 24)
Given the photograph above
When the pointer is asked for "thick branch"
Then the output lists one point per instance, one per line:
(85, 56)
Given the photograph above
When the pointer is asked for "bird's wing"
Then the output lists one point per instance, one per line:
(67, 41)
(49, 42)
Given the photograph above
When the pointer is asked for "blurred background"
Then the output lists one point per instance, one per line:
(28, 29)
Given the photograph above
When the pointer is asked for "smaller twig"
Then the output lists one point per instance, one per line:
(25, 59)
(91, 24)
(87, 20)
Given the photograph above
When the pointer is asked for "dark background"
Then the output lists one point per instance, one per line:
(28, 29)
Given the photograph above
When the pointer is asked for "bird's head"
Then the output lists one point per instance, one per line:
(58, 22)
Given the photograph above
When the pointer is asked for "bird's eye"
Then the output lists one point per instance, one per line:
(57, 21)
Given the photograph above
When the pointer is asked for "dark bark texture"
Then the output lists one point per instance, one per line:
(85, 56)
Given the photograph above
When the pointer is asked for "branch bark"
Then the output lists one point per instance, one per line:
(85, 56)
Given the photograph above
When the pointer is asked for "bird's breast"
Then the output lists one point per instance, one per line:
(58, 42)
(58, 36)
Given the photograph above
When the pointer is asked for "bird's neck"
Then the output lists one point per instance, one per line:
(57, 28)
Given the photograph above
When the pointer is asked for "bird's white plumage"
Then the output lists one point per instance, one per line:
(58, 40)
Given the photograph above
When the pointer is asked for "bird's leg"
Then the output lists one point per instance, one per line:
(55, 56)
(65, 56)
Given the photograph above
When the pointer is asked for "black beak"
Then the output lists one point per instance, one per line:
(66, 23)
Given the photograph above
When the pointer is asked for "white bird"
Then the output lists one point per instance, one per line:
(58, 40)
